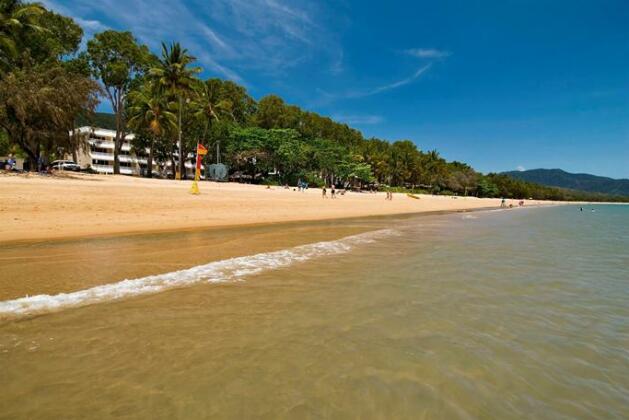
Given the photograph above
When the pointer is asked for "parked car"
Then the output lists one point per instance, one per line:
(65, 165)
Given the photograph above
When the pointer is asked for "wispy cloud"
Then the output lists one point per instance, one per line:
(390, 86)
(359, 119)
(337, 65)
(230, 37)
(325, 97)
(427, 53)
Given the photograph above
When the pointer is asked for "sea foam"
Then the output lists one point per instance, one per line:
(218, 271)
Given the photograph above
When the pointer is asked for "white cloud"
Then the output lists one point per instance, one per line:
(359, 119)
(520, 168)
(427, 53)
(91, 25)
(393, 85)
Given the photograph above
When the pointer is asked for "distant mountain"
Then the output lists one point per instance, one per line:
(582, 182)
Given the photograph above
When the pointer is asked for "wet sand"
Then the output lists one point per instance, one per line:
(63, 266)
(33, 207)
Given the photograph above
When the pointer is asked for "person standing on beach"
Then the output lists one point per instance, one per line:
(324, 192)
(333, 191)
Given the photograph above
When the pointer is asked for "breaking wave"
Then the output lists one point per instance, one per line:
(218, 271)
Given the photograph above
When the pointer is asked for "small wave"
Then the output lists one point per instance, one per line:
(214, 272)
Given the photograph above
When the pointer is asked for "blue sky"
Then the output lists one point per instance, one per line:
(498, 84)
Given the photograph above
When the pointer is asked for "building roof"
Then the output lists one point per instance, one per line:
(102, 132)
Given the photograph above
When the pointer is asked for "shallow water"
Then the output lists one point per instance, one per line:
(510, 314)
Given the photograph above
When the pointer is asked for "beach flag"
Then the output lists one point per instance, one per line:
(201, 151)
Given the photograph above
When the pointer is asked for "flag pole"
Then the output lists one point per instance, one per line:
(201, 151)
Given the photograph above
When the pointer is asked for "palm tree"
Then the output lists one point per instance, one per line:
(210, 105)
(15, 19)
(150, 111)
(435, 168)
(174, 76)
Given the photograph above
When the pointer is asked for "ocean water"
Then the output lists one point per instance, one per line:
(519, 313)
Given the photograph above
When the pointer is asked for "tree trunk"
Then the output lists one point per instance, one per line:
(32, 155)
(173, 167)
(149, 162)
(117, 144)
(117, 110)
(182, 160)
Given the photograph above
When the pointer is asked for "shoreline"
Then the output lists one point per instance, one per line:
(219, 228)
(39, 209)
(70, 267)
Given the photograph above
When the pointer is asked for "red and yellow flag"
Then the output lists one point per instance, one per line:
(201, 150)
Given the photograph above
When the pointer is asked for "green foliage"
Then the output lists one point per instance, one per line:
(355, 171)
(172, 72)
(38, 107)
(5, 146)
(97, 119)
(17, 21)
(60, 37)
(486, 188)
(150, 110)
(116, 58)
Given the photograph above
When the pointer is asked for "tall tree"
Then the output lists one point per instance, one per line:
(149, 112)
(38, 107)
(270, 113)
(116, 59)
(210, 105)
(243, 106)
(175, 76)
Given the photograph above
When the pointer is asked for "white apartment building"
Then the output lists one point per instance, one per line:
(97, 153)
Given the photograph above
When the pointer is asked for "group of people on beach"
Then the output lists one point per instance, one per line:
(302, 185)
(9, 164)
(324, 192)
(503, 203)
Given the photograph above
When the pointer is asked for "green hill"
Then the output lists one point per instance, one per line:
(100, 120)
(581, 182)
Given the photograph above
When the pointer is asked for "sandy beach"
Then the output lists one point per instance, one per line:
(34, 207)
